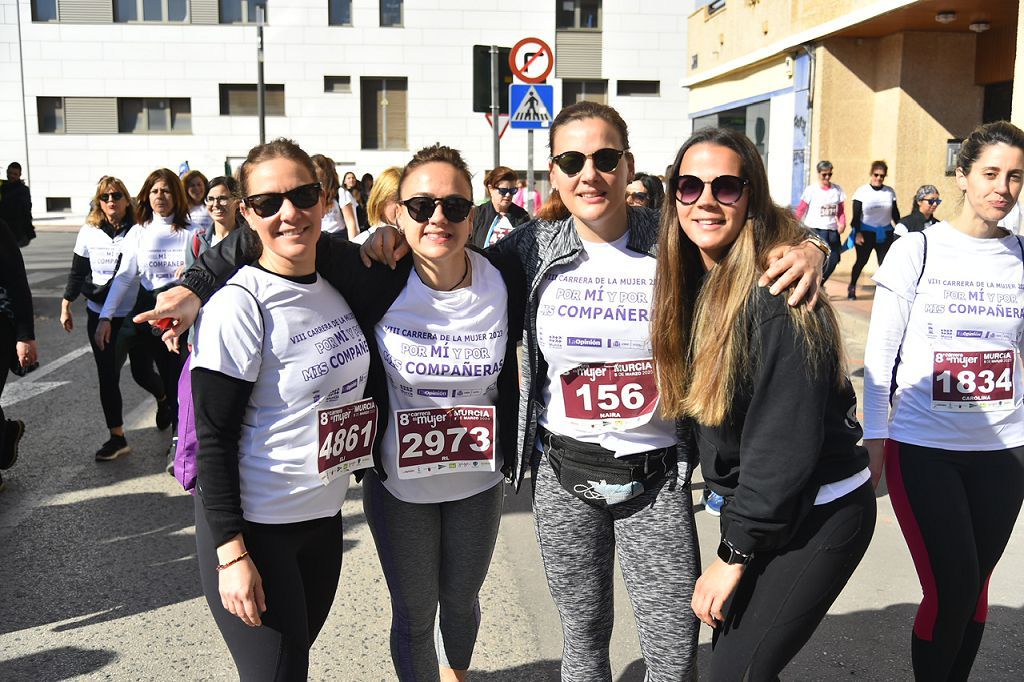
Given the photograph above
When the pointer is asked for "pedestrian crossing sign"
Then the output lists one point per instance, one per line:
(532, 106)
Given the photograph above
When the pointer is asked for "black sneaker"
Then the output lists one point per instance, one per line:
(112, 449)
(164, 414)
(14, 429)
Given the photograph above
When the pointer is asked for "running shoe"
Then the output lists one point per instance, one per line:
(14, 429)
(712, 502)
(164, 415)
(851, 294)
(171, 450)
(112, 449)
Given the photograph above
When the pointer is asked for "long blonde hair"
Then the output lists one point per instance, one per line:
(700, 330)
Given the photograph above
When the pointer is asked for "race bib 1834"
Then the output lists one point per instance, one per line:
(977, 381)
(346, 438)
(445, 440)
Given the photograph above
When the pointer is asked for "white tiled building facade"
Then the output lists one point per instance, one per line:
(96, 87)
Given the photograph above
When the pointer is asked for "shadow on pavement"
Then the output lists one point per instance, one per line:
(100, 559)
(62, 663)
(537, 671)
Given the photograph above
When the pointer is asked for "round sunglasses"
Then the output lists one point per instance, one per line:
(269, 203)
(726, 189)
(605, 160)
(112, 196)
(455, 208)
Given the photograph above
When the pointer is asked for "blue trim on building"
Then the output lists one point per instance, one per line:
(741, 103)
(801, 124)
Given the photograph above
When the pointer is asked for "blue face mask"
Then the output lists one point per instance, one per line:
(611, 493)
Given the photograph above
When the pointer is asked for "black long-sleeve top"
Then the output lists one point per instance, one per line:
(80, 275)
(370, 292)
(15, 295)
(791, 429)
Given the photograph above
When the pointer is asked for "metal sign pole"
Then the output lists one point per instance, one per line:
(261, 89)
(531, 209)
(495, 106)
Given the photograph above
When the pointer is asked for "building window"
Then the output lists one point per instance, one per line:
(339, 13)
(751, 120)
(579, 15)
(383, 112)
(50, 111)
(239, 99)
(44, 10)
(391, 12)
(151, 10)
(638, 88)
(338, 84)
(240, 11)
(579, 90)
(154, 115)
(58, 204)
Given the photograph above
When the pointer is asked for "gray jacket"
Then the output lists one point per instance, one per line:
(540, 246)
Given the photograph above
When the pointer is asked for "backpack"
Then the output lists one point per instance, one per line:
(185, 464)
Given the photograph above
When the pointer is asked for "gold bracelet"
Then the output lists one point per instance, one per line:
(233, 561)
(819, 243)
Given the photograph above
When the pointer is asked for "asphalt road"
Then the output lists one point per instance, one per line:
(98, 577)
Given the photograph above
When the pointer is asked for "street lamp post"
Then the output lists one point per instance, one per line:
(261, 89)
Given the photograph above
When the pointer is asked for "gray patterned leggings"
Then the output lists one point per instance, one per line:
(658, 553)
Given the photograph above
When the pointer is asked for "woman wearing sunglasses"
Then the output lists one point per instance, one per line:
(922, 216)
(442, 330)
(153, 253)
(773, 410)
(875, 215)
(821, 208)
(96, 256)
(646, 191)
(494, 219)
(278, 359)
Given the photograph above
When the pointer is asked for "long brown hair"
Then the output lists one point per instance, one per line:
(700, 331)
(327, 176)
(108, 183)
(145, 212)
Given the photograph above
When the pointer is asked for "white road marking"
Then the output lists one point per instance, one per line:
(47, 368)
(30, 386)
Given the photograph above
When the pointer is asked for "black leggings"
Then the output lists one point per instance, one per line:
(784, 595)
(957, 510)
(864, 252)
(8, 356)
(168, 364)
(109, 370)
(300, 564)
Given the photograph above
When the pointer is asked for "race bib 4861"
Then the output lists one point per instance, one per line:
(346, 436)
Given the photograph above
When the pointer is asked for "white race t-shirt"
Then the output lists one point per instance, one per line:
(333, 221)
(443, 351)
(822, 206)
(199, 218)
(593, 327)
(305, 352)
(958, 383)
(876, 204)
(102, 252)
(154, 253)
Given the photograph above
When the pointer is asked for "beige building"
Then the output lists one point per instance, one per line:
(855, 80)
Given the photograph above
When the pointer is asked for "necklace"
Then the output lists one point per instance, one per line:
(464, 274)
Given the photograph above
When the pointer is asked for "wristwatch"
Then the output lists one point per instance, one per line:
(730, 555)
(819, 243)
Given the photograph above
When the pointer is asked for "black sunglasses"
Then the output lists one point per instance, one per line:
(637, 196)
(269, 203)
(454, 208)
(726, 189)
(506, 191)
(605, 160)
(112, 196)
